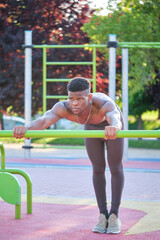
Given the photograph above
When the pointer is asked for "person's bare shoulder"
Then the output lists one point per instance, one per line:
(100, 99)
(62, 109)
(103, 103)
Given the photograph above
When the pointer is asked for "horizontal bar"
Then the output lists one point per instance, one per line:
(134, 46)
(71, 46)
(61, 80)
(58, 80)
(83, 133)
(57, 96)
(139, 44)
(120, 44)
(69, 63)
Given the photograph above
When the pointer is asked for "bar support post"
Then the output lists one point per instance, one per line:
(125, 97)
(112, 68)
(28, 87)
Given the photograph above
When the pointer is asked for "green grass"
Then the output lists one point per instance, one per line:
(147, 144)
(60, 141)
(79, 142)
(149, 121)
(11, 140)
(150, 116)
(133, 143)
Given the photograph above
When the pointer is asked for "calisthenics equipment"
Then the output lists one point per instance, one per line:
(10, 189)
(83, 134)
(7, 181)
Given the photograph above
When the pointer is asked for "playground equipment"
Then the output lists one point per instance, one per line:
(112, 44)
(10, 190)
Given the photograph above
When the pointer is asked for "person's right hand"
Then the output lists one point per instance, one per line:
(19, 131)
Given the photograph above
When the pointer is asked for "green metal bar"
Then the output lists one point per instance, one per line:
(58, 80)
(121, 44)
(83, 133)
(22, 173)
(69, 63)
(139, 44)
(44, 79)
(56, 96)
(18, 211)
(133, 46)
(62, 80)
(44, 85)
(94, 70)
(71, 46)
(29, 185)
(2, 156)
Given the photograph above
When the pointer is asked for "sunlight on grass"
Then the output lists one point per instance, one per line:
(150, 116)
(11, 140)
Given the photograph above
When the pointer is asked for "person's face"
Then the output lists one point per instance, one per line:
(79, 101)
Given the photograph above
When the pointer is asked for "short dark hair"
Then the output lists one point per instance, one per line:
(78, 84)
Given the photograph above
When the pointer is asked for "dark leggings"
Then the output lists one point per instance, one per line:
(96, 152)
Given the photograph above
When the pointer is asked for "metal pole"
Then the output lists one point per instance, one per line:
(44, 85)
(112, 68)
(83, 133)
(94, 69)
(125, 97)
(28, 87)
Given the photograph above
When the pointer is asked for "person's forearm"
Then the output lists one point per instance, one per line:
(114, 120)
(115, 123)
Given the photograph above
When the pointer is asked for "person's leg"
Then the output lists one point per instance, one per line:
(95, 150)
(96, 153)
(114, 155)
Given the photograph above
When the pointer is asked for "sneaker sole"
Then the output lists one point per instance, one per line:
(96, 231)
(113, 232)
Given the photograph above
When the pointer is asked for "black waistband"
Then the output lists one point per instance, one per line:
(104, 123)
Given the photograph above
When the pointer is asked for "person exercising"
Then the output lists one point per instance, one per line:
(96, 111)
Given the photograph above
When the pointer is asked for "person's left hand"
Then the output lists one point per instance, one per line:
(111, 132)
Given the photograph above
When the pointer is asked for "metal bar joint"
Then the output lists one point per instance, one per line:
(113, 44)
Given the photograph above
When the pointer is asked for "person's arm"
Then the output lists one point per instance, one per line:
(113, 118)
(49, 118)
(43, 122)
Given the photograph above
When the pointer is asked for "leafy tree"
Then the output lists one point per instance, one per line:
(132, 21)
(52, 22)
(140, 102)
(153, 92)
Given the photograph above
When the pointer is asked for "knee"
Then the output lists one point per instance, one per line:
(116, 170)
(99, 170)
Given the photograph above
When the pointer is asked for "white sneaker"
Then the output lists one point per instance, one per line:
(114, 224)
(101, 225)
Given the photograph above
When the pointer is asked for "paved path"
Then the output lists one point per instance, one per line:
(18, 151)
(62, 182)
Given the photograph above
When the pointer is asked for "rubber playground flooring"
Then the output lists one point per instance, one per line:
(64, 205)
(74, 221)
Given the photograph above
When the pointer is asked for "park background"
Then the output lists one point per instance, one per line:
(64, 205)
(78, 22)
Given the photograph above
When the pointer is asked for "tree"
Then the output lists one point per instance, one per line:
(52, 22)
(153, 92)
(139, 103)
(132, 21)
